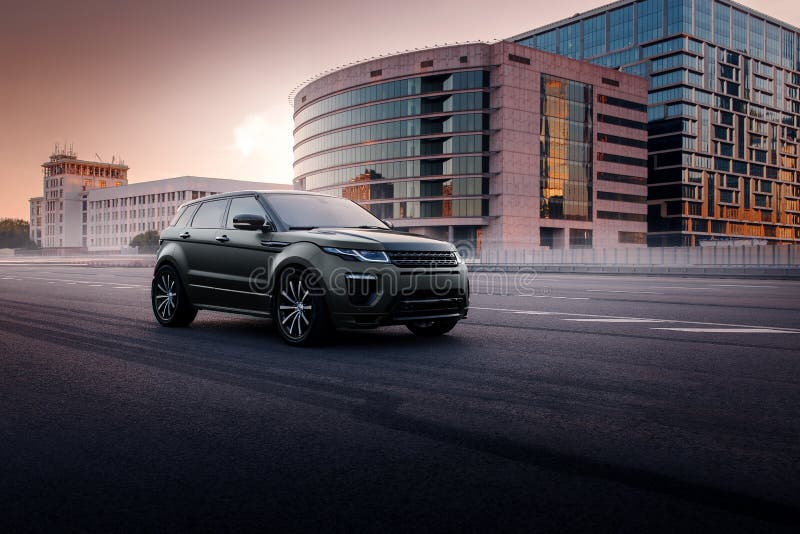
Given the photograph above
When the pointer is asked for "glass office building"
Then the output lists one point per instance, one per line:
(723, 111)
(411, 149)
(490, 146)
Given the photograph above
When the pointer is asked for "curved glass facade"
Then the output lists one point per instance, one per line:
(412, 148)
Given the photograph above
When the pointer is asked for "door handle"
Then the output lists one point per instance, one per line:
(222, 238)
(185, 235)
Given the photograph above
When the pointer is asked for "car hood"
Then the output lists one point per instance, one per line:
(370, 239)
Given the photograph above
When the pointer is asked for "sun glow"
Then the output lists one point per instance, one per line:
(250, 134)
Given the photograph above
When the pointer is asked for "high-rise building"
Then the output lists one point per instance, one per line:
(490, 146)
(724, 111)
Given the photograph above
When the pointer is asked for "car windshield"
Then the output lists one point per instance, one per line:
(313, 211)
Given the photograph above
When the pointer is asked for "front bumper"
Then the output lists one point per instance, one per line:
(367, 296)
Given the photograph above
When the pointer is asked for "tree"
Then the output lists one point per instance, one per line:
(147, 239)
(15, 233)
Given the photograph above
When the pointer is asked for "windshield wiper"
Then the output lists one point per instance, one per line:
(369, 227)
(302, 227)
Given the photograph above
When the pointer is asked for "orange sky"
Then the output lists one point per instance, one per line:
(199, 87)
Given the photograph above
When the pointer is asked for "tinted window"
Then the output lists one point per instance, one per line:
(244, 206)
(182, 218)
(210, 214)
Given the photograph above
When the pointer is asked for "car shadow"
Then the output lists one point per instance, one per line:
(390, 338)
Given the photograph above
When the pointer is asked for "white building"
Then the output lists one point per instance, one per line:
(58, 218)
(89, 206)
(117, 214)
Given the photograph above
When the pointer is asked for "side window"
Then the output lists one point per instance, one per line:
(244, 206)
(210, 214)
(182, 218)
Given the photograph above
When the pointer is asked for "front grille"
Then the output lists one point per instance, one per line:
(422, 258)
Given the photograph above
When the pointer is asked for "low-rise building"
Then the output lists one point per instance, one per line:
(115, 215)
(89, 205)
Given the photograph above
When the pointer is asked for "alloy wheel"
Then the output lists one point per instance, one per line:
(166, 295)
(295, 309)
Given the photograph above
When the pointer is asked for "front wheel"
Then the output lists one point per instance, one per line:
(299, 309)
(170, 305)
(431, 328)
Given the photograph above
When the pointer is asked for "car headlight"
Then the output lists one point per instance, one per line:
(459, 259)
(373, 256)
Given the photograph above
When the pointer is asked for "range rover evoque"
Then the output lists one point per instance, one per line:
(311, 262)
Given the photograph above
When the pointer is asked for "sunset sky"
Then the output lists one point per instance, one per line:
(200, 87)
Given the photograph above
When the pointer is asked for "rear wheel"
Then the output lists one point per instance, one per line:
(170, 305)
(299, 309)
(433, 327)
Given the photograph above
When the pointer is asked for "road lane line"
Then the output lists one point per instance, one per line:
(674, 321)
(89, 282)
(728, 330)
(742, 285)
(685, 287)
(615, 320)
(619, 291)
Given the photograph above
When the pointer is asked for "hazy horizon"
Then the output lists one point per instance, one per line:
(200, 88)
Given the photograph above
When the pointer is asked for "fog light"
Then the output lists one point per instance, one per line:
(362, 288)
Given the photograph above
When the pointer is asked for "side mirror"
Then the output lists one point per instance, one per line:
(247, 221)
(388, 223)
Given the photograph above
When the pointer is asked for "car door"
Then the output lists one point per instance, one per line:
(206, 268)
(246, 258)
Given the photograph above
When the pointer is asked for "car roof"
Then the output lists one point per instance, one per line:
(254, 192)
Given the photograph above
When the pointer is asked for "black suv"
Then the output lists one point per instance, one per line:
(311, 262)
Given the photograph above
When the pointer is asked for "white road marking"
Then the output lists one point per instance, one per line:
(618, 291)
(742, 285)
(729, 330)
(615, 320)
(124, 287)
(685, 287)
(89, 282)
(533, 313)
(738, 327)
(54, 279)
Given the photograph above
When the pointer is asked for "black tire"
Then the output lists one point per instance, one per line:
(432, 328)
(299, 311)
(168, 298)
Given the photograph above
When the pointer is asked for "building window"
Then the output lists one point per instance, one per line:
(702, 19)
(650, 19)
(569, 41)
(620, 24)
(632, 238)
(566, 149)
(594, 36)
(580, 238)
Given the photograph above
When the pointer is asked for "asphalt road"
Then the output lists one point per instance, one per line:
(564, 403)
